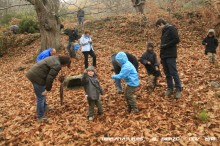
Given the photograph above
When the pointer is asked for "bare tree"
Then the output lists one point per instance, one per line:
(47, 13)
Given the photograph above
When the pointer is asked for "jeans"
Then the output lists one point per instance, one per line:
(117, 70)
(41, 100)
(81, 22)
(71, 51)
(118, 84)
(170, 70)
(86, 54)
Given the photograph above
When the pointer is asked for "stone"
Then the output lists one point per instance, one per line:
(215, 84)
(73, 81)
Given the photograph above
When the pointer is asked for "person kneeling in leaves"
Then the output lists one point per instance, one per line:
(93, 90)
(130, 75)
(149, 60)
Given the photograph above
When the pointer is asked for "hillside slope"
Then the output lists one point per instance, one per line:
(159, 116)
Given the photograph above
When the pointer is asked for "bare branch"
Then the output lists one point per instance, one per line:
(14, 6)
(31, 1)
(71, 4)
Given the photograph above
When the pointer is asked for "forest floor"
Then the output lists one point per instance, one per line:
(160, 118)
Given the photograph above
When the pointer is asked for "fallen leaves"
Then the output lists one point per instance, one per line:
(159, 116)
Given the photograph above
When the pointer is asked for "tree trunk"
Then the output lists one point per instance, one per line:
(47, 13)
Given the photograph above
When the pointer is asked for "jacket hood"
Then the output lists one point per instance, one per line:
(121, 58)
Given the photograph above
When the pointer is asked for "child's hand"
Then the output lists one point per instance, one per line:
(44, 93)
(148, 62)
(85, 71)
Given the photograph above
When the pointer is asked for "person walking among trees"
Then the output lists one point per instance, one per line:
(80, 17)
(42, 75)
(130, 75)
(117, 68)
(211, 44)
(87, 48)
(168, 55)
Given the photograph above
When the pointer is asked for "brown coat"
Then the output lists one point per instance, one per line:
(45, 71)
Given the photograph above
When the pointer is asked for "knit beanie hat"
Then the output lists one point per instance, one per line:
(211, 31)
(91, 68)
(150, 45)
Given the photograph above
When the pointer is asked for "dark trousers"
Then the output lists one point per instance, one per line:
(92, 104)
(86, 54)
(170, 70)
(71, 51)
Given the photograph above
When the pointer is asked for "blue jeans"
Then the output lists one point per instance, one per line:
(170, 70)
(118, 84)
(81, 22)
(117, 70)
(41, 100)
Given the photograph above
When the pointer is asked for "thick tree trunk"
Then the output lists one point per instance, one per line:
(47, 13)
(49, 30)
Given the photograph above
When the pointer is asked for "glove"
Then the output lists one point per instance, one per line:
(115, 77)
(163, 46)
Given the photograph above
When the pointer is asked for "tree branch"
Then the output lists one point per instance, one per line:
(14, 6)
(31, 1)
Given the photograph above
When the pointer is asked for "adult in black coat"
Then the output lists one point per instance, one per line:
(117, 68)
(73, 36)
(168, 55)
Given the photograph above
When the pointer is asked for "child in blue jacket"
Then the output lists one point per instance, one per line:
(130, 75)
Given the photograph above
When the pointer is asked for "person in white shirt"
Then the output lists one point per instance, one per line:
(87, 48)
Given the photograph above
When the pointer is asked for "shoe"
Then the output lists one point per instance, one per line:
(91, 118)
(129, 110)
(43, 119)
(168, 92)
(100, 113)
(120, 92)
(178, 94)
(134, 111)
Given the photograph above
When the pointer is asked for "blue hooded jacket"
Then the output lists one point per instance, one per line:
(128, 71)
(44, 54)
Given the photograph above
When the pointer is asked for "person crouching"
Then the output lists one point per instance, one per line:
(149, 60)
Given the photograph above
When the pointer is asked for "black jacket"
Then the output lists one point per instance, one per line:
(45, 71)
(212, 44)
(72, 34)
(80, 13)
(152, 58)
(131, 58)
(169, 40)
